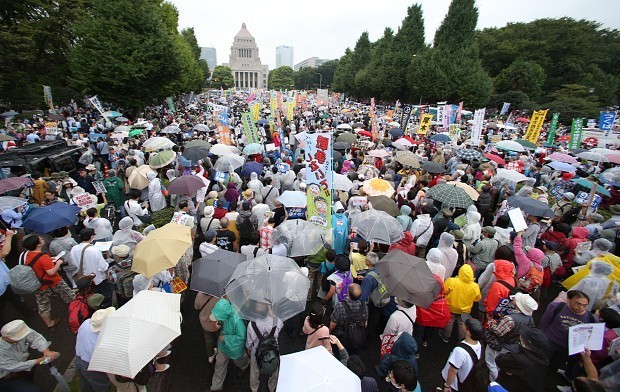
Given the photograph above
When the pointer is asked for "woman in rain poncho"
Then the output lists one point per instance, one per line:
(435, 262)
(405, 217)
(254, 184)
(157, 201)
(125, 235)
(450, 255)
(472, 229)
(597, 282)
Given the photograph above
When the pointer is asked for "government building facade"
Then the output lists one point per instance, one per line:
(245, 64)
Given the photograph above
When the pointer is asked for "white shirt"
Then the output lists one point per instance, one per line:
(85, 341)
(460, 359)
(206, 249)
(134, 209)
(94, 263)
(264, 327)
(248, 250)
(102, 227)
(398, 321)
(422, 229)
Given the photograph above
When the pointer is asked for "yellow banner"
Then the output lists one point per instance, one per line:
(536, 123)
(255, 108)
(425, 124)
(289, 110)
(273, 103)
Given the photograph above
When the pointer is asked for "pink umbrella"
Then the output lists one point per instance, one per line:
(13, 183)
(614, 158)
(558, 156)
(523, 119)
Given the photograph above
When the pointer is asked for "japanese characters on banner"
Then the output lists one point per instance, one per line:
(51, 128)
(576, 132)
(319, 178)
(447, 116)
(290, 109)
(97, 105)
(170, 103)
(223, 131)
(374, 127)
(440, 113)
(552, 128)
(273, 102)
(476, 130)
(85, 200)
(47, 95)
(249, 129)
(582, 199)
(606, 122)
(425, 124)
(255, 109)
(404, 118)
(454, 132)
(536, 123)
(322, 96)
(99, 187)
(459, 113)
(505, 108)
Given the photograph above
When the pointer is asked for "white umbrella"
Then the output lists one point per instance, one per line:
(402, 144)
(380, 153)
(394, 124)
(137, 179)
(342, 182)
(510, 175)
(157, 143)
(119, 135)
(510, 145)
(220, 149)
(315, 370)
(308, 113)
(224, 162)
(122, 128)
(593, 156)
(378, 226)
(171, 129)
(603, 151)
(11, 202)
(344, 126)
(134, 334)
(293, 199)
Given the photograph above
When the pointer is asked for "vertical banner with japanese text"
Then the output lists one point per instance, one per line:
(447, 116)
(223, 132)
(552, 128)
(606, 122)
(425, 124)
(322, 97)
(476, 130)
(249, 129)
(576, 132)
(459, 113)
(374, 127)
(536, 123)
(505, 108)
(97, 105)
(319, 178)
(47, 95)
(255, 108)
(404, 118)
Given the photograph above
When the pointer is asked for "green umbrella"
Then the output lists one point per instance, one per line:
(324, 116)
(588, 184)
(450, 196)
(162, 159)
(135, 132)
(347, 137)
(198, 143)
(525, 143)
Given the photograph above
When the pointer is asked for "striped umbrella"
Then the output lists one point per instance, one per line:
(450, 196)
(13, 183)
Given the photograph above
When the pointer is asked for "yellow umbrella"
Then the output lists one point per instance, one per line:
(378, 187)
(471, 192)
(137, 179)
(408, 160)
(161, 249)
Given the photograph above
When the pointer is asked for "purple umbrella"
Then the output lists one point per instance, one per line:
(251, 167)
(185, 185)
(12, 183)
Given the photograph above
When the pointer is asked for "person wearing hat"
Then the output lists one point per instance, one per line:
(526, 369)
(92, 263)
(550, 262)
(85, 342)
(442, 222)
(483, 251)
(503, 334)
(54, 181)
(85, 180)
(15, 367)
(564, 205)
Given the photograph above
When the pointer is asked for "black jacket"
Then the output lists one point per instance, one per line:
(524, 371)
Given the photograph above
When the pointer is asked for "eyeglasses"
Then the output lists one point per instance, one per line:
(579, 304)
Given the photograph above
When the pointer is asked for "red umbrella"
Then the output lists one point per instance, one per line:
(365, 133)
(523, 119)
(407, 137)
(614, 158)
(592, 141)
(495, 158)
(564, 138)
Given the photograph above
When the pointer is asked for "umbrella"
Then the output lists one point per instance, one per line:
(380, 153)
(315, 370)
(408, 278)
(342, 182)
(368, 171)
(378, 226)
(324, 116)
(377, 187)
(224, 163)
(185, 185)
(48, 218)
(201, 128)
(268, 285)
(253, 148)
(195, 153)
(441, 137)
(384, 203)
(11, 202)
(347, 137)
(525, 143)
(386, 142)
(112, 114)
(344, 126)
(495, 158)
(135, 132)
(471, 192)
(171, 129)
(198, 143)
(562, 166)
(13, 183)
(613, 158)
(221, 149)
(302, 238)
(510, 145)
(161, 249)
(557, 156)
(293, 199)
(307, 113)
(95, 136)
(10, 113)
(121, 119)
(394, 124)
(122, 128)
(523, 119)
(610, 176)
(531, 206)
(408, 160)
(262, 121)
(402, 143)
(468, 154)
(211, 273)
(592, 156)
(137, 179)
(588, 184)
(433, 167)
(510, 175)
(162, 159)
(6, 138)
(341, 145)
(157, 143)
(396, 132)
(604, 151)
(251, 167)
(450, 196)
(134, 334)
(364, 133)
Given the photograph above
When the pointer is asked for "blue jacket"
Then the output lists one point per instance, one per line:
(404, 349)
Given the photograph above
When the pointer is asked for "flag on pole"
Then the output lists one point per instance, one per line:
(47, 95)
(504, 108)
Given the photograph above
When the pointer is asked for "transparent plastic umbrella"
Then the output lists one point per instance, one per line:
(158, 143)
(224, 162)
(293, 199)
(301, 237)
(268, 285)
(378, 226)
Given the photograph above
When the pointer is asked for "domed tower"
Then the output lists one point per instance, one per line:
(245, 63)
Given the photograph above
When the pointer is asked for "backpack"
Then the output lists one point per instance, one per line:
(125, 283)
(347, 279)
(478, 377)
(245, 228)
(571, 215)
(505, 305)
(532, 280)
(23, 279)
(354, 327)
(267, 352)
(380, 295)
(78, 312)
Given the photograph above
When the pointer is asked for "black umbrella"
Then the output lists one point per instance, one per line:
(195, 153)
(531, 206)
(386, 142)
(384, 203)
(433, 167)
(341, 145)
(211, 274)
(396, 132)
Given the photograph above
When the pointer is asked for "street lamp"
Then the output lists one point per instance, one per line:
(320, 79)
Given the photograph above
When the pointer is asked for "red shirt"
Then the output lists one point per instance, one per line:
(43, 264)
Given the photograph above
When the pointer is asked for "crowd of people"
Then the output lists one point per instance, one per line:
(506, 298)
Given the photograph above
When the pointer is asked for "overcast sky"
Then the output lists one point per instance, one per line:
(325, 28)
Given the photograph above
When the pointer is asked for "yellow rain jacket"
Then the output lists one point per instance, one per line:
(461, 292)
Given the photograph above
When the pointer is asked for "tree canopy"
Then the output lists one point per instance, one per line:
(282, 78)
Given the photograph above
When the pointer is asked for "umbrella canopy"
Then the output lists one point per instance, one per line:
(195, 153)
(592, 156)
(171, 129)
(112, 114)
(495, 158)
(137, 179)
(13, 183)
(48, 218)
(315, 370)
(11, 202)
(562, 166)
(526, 143)
(510, 175)
(225, 162)
(293, 199)
(613, 158)
(301, 237)
(341, 145)
(409, 278)
(122, 128)
(441, 137)
(201, 128)
(251, 167)
(133, 335)
(262, 121)
(10, 113)
(185, 185)
(6, 138)
(253, 148)
(588, 184)
(342, 182)
(394, 124)
(161, 249)
(531, 206)
(523, 119)
(471, 192)
(162, 159)
(408, 160)
(468, 154)
(450, 196)
(379, 153)
(396, 132)
(121, 119)
(610, 176)
(135, 132)
(198, 143)
(378, 226)
(347, 137)
(211, 273)
(268, 285)
(368, 171)
(157, 143)
(377, 187)
(384, 203)
(604, 151)
(510, 145)
(221, 149)
(558, 156)
(433, 167)
(402, 143)
(344, 126)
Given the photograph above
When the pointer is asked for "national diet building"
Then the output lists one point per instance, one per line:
(245, 63)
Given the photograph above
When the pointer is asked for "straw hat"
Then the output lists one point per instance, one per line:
(97, 319)
(15, 330)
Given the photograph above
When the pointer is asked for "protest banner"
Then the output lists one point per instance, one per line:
(576, 132)
(505, 108)
(425, 124)
(99, 187)
(319, 178)
(249, 129)
(606, 122)
(459, 113)
(322, 96)
(85, 200)
(51, 127)
(536, 123)
(447, 116)
(552, 128)
(404, 118)
(476, 130)
(47, 95)
(97, 105)
(170, 102)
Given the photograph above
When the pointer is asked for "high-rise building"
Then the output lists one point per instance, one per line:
(246, 67)
(312, 62)
(284, 56)
(210, 56)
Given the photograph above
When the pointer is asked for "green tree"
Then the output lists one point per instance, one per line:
(342, 76)
(359, 59)
(190, 37)
(327, 70)
(409, 42)
(458, 27)
(521, 75)
(518, 101)
(573, 101)
(222, 77)
(282, 78)
(305, 79)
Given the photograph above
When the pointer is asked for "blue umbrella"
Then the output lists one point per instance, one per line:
(562, 166)
(588, 184)
(262, 121)
(251, 167)
(185, 162)
(95, 136)
(440, 137)
(396, 132)
(253, 148)
(49, 218)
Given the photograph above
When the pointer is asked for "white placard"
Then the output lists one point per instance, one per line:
(476, 130)
(582, 336)
(270, 147)
(516, 217)
(84, 201)
(102, 246)
(99, 187)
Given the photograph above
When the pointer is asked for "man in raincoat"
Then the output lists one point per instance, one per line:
(231, 343)
(461, 293)
(114, 189)
(340, 228)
